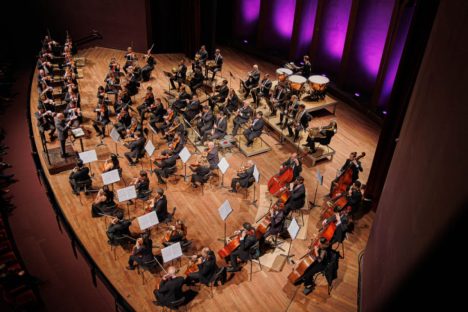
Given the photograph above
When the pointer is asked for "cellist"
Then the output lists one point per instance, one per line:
(247, 240)
(296, 199)
(293, 162)
(205, 267)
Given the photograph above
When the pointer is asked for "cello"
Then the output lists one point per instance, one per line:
(233, 244)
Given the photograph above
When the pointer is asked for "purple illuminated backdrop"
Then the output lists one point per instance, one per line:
(250, 11)
(283, 17)
(246, 20)
(395, 56)
(332, 35)
(306, 29)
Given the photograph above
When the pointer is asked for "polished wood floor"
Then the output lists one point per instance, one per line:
(268, 291)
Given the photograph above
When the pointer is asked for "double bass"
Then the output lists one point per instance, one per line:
(277, 183)
(344, 179)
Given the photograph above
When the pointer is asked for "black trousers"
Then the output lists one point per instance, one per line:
(62, 147)
(234, 181)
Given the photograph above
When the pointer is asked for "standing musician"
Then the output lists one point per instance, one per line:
(320, 254)
(192, 109)
(297, 198)
(355, 165)
(118, 228)
(220, 97)
(169, 288)
(142, 184)
(102, 118)
(232, 103)
(203, 55)
(148, 68)
(255, 129)
(149, 100)
(252, 80)
(242, 116)
(142, 252)
(206, 122)
(130, 57)
(263, 90)
(293, 162)
(176, 233)
(245, 177)
(103, 203)
(180, 74)
(219, 129)
(288, 111)
(45, 122)
(111, 163)
(247, 240)
(79, 174)
(62, 129)
(159, 205)
(212, 155)
(215, 65)
(300, 122)
(165, 167)
(306, 69)
(137, 148)
(200, 170)
(206, 267)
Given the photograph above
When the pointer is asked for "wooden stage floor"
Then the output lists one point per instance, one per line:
(268, 291)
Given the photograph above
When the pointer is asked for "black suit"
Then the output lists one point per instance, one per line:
(254, 131)
(160, 207)
(263, 90)
(244, 115)
(297, 169)
(213, 158)
(180, 75)
(296, 200)
(243, 251)
(206, 123)
(244, 179)
(206, 270)
(355, 168)
(169, 291)
(276, 224)
(80, 175)
(117, 230)
(62, 131)
(136, 149)
(165, 167)
(218, 132)
(192, 110)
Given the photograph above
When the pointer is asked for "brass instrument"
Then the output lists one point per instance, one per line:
(211, 63)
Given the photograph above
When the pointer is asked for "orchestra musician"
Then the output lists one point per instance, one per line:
(159, 205)
(79, 174)
(149, 100)
(255, 129)
(73, 114)
(169, 118)
(157, 112)
(176, 233)
(103, 203)
(242, 116)
(353, 196)
(232, 103)
(306, 69)
(137, 148)
(124, 121)
(165, 167)
(206, 267)
(62, 129)
(142, 184)
(215, 65)
(300, 122)
(112, 163)
(320, 254)
(277, 217)
(130, 57)
(220, 97)
(102, 118)
(247, 240)
(200, 172)
(196, 81)
(118, 228)
(149, 66)
(114, 66)
(252, 80)
(45, 121)
(319, 134)
(112, 83)
(142, 252)
(263, 89)
(219, 129)
(203, 55)
(295, 163)
(192, 109)
(180, 75)
(206, 122)
(212, 155)
(179, 103)
(132, 83)
(244, 177)
(355, 165)
(288, 111)
(297, 198)
(169, 288)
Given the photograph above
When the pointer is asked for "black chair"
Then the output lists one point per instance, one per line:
(254, 254)
(220, 275)
(171, 172)
(205, 179)
(84, 185)
(251, 182)
(146, 266)
(327, 139)
(175, 305)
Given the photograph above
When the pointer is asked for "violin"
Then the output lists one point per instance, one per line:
(193, 264)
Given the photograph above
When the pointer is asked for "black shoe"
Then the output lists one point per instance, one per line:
(131, 268)
(232, 191)
(75, 193)
(232, 269)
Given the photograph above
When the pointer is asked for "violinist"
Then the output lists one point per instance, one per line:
(141, 184)
(205, 266)
(73, 114)
(165, 167)
(169, 288)
(168, 120)
(176, 128)
(112, 163)
(176, 145)
(124, 121)
(102, 118)
(101, 93)
(112, 83)
(137, 148)
(263, 89)
(148, 68)
(149, 100)
(220, 97)
(293, 162)
(130, 57)
(215, 65)
(192, 109)
(118, 228)
(180, 75)
(45, 121)
(244, 178)
(247, 240)
(255, 129)
(219, 129)
(297, 198)
(132, 83)
(200, 172)
(114, 66)
(206, 122)
(159, 205)
(252, 80)
(103, 203)
(157, 112)
(232, 104)
(142, 252)
(79, 174)
(242, 116)
(179, 103)
(176, 233)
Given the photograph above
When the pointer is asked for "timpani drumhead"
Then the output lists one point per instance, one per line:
(284, 71)
(319, 79)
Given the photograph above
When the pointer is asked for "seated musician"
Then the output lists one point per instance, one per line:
(344, 225)
(192, 109)
(79, 174)
(114, 66)
(200, 171)
(164, 167)
(169, 118)
(197, 80)
(159, 205)
(288, 111)
(112, 163)
(353, 197)
(232, 104)
(176, 145)
(206, 122)
(247, 240)
(277, 217)
(297, 198)
(306, 69)
(176, 233)
(142, 184)
(206, 265)
(212, 155)
(142, 252)
(169, 289)
(149, 66)
(217, 64)
(137, 148)
(130, 57)
(45, 122)
(252, 80)
(102, 118)
(132, 84)
(124, 121)
(112, 83)
(118, 228)
(293, 162)
(149, 100)
(104, 203)
(244, 178)
(157, 112)
(255, 130)
(242, 116)
(180, 75)
(73, 115)
(319, 135)
(47, 103)
(220, 97)
(300, 122)
(263, 90)
(219, 129)
(320, 254)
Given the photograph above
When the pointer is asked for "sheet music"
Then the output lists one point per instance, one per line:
(171, 252)
(293, 228)
(110, 177)
(185, 155)
(225, 210)
(256, 174)
(149, 148)
(88, 156)
(148, 220)
(115, 135)
(78, 132)
(126, 193)
(223, 165)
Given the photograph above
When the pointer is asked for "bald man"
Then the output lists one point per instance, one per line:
(170, 288)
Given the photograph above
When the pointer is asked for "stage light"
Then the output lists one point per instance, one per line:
(246, 41)
(384, 112)
(356, 94)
